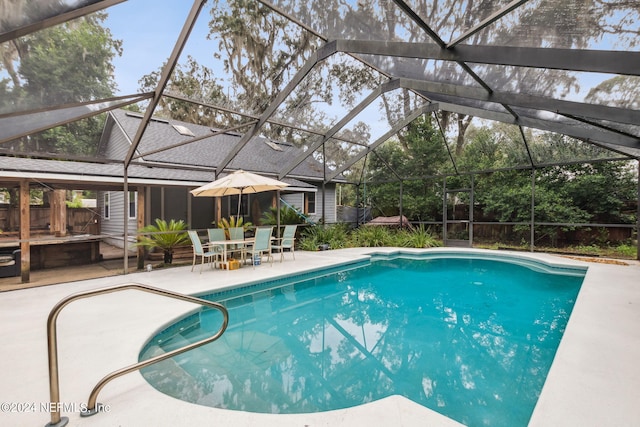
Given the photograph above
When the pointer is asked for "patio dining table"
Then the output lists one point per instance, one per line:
(227, 244)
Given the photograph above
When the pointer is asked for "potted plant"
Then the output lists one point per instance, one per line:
(165, 236)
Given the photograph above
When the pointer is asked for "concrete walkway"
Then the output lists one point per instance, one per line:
(593, 381)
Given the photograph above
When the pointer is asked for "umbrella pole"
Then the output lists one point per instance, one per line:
(278, 213)
(239, 200)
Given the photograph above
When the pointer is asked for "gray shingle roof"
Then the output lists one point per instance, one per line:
(257, 155)
(177, 166)
(104, 174)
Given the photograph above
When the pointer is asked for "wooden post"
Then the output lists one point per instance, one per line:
(58, 215)
(25, 232)
(14, 203)
(218, 209)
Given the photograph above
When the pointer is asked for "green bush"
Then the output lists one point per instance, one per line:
(627, 251)
(165, 236)
(339, 236)
(288, 216)
(373, 236)
(309, 242)
(335, 235)
(417, 238)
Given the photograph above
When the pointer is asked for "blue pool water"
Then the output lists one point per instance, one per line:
(470, 337)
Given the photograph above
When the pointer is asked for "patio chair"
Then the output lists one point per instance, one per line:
(287, 241)
(216, 235)
(262, 244)
(198, 250)
(237, 233)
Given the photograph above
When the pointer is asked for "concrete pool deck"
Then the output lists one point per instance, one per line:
(594, 379)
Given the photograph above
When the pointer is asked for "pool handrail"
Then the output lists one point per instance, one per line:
(52, 345)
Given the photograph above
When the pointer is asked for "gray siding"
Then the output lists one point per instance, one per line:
(114, 225)
(294, 199)
(297, 200)
(330, 199)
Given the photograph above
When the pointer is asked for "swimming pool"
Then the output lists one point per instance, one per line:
(471, 337)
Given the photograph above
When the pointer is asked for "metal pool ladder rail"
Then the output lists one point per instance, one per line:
(52, 344)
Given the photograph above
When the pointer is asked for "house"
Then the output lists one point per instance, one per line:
(192, 152)
(172, 158)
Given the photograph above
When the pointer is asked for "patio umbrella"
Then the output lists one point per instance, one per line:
(239, 182)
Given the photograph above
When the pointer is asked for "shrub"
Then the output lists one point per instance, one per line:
(628, 251)
(417, 238)
(336, 236)
(232, 222)
(373, 236)
(165, 236)
(288, 216)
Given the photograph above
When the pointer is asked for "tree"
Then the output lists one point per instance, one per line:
(64, 64)
(579, 193)
(263, 51)
(619, 91)
(556, 24)
(193, 81)
(421, 153)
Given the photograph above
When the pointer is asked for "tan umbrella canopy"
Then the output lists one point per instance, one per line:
(239, 182)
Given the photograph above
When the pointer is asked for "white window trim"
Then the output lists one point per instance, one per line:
(133, 194)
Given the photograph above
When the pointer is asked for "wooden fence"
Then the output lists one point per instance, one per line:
(79, 220)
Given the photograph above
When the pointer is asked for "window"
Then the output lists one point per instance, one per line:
(273, 145)
(310, 203)
(133, 204)
(106, 207)
(183, 130)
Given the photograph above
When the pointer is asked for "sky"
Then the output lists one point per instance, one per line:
(149, 39)
(149, 30)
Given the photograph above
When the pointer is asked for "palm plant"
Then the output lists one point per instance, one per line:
(232, 222)
(165, 236)
(288, 216)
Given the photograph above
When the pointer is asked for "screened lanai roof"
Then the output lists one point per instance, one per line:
(339, 78)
